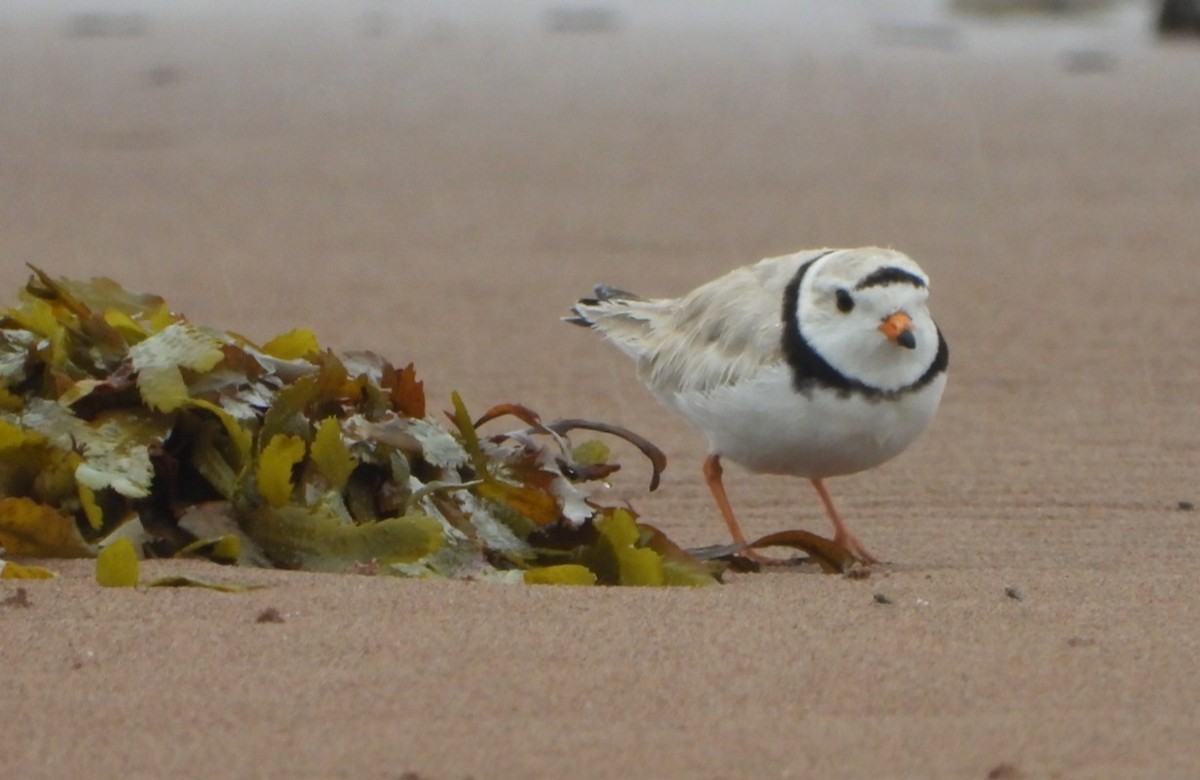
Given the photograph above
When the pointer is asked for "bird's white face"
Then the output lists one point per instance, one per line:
(864, 312)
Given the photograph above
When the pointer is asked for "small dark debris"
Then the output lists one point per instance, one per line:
(1005, 771)
(858, 573)
(269, 615)
(163, 75)
(1185, 506)
(1080, 641)
(924, 36)
(410, 775)
(1014, 593)
(101, 24)
(588, 19)
(18, 598)
(80, 658)
(1089, 61)
(881, 598)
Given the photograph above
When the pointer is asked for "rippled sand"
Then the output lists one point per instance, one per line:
(439, 185)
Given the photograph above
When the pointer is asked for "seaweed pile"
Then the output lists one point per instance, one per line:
(124, 425)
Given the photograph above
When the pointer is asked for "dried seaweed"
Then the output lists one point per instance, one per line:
(127, 431)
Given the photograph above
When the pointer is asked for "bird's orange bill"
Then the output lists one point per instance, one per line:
(896, 325)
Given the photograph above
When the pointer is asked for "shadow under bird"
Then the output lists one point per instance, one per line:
(816, 364)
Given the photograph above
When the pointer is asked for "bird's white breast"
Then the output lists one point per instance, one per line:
(766, 425)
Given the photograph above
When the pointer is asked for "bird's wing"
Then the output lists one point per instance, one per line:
(723, 332)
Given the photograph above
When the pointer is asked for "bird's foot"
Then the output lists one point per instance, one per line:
(850, 543)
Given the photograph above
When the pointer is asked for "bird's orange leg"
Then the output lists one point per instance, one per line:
(841, 534)
(712, 475)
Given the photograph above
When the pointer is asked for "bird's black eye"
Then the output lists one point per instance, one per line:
(844, 302)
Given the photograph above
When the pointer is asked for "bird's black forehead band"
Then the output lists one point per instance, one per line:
(889, 274)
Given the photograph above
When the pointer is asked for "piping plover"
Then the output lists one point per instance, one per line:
(815, 364)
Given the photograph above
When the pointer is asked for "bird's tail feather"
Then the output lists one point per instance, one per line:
(603, 294)
(627, 320)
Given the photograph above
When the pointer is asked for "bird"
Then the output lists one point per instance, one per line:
(817, 364)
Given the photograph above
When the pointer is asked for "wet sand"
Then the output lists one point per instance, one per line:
(440, 185)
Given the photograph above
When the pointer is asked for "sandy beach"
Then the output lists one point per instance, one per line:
(439, 185)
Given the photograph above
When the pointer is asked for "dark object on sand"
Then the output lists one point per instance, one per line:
(1179, 17)
(105, 24)
(586, 19)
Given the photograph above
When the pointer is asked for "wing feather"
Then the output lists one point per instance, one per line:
(721, 333)
(725, 331)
